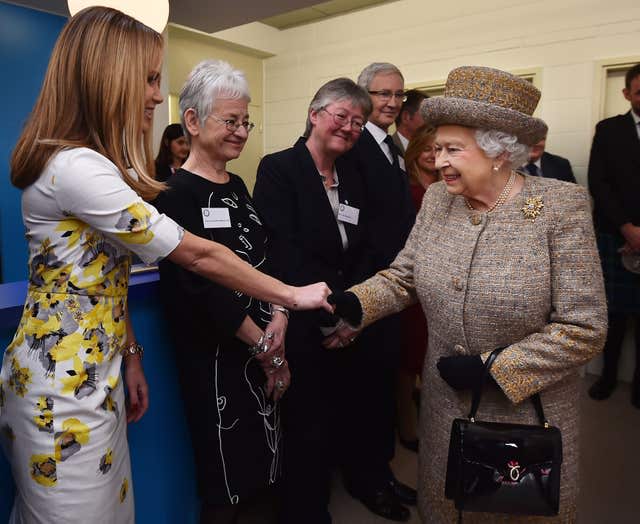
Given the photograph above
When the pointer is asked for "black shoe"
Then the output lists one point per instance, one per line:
(602, 389)
(411, 445)
(385, 504)
(405, 494)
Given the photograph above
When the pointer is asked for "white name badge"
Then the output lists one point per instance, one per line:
(348, 214)
(215, 217)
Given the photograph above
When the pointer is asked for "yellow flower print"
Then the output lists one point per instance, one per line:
(67, 347)
(81, 381)
(94, 349)
(44, 419)
(95, 317)
(94, 269)
(124, 489)
(72, 229)
(106, 462)
(44, 470)
(73, 436)
(19, 378)
(40, 328)
(18, 338)
(109, 404)
(135, 221)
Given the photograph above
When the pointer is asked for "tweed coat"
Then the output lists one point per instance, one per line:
(492, 280)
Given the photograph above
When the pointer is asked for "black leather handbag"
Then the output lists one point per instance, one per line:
(504, 468)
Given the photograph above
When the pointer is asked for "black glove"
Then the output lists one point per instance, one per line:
(461, 372)
(347, 306)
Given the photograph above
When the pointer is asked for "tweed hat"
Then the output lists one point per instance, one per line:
(489, 99)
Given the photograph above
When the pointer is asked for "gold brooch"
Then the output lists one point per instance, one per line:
(532, 207)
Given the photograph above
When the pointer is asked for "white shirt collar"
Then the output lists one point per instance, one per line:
(377, 133)
(635, 117)
(403, 140)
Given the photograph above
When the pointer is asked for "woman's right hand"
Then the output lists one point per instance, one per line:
(313, 296)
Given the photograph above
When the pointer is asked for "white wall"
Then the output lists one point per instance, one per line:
(426, 39)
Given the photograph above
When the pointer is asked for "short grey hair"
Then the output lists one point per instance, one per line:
(208, 81)
(377, 68)
(494, 143)
(336, 91)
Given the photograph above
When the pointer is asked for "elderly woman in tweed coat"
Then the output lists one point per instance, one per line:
(496, 258)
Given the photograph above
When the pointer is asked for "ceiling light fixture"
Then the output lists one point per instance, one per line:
(152, 13)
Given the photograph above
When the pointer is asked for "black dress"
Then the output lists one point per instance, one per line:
(234, 428)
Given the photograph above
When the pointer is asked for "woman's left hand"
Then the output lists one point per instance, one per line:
(136, 387)
(461, 371)
(343, 336)
(278, 381)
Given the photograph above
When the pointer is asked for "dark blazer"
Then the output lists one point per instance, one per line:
(392, 213)
(304, 240)
(614, 173)
(554, 166)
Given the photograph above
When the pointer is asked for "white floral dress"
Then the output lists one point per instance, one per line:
(62, 413)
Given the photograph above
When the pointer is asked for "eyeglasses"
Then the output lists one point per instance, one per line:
(387, 95)
(356, 124)
(233, 125)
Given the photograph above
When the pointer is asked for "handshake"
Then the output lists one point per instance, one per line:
(347, 313)
(461, 372)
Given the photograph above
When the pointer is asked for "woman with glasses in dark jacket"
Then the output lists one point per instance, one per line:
(311, 201)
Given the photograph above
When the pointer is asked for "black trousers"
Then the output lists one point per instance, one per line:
(338, 412)
(613, 345)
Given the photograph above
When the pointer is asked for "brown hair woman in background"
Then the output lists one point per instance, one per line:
(420, 161)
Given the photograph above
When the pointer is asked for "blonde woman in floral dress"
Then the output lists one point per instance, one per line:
(84, 164)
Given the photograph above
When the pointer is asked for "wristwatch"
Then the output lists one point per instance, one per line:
(133, 349)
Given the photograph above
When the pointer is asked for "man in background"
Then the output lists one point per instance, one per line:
(367, 473)
(614, 183)
(408, 120)
(547, 165)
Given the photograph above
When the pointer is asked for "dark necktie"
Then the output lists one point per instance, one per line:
(394, 150)
(532, 169)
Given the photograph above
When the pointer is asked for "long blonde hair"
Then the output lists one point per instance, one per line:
(416, 146)
(93, 96)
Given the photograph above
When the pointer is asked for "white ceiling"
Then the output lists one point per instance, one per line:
(205, 15)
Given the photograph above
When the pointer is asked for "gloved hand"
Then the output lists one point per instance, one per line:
(462, 371)
(347, 306)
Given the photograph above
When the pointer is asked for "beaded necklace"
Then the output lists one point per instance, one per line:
(502, 197)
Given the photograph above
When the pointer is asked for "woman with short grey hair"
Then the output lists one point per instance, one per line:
(312, 202)
(498, 260)
(229, 348)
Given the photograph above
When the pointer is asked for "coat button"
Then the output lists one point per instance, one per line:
(475, 220)
(459, 349)
(457, 284)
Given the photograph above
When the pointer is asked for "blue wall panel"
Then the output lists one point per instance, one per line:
(26, 40)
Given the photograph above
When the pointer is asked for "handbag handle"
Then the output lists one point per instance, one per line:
(477, 392)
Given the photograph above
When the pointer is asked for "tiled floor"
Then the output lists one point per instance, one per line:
(610, 467)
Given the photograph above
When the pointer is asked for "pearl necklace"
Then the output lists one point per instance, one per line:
(502, 197)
